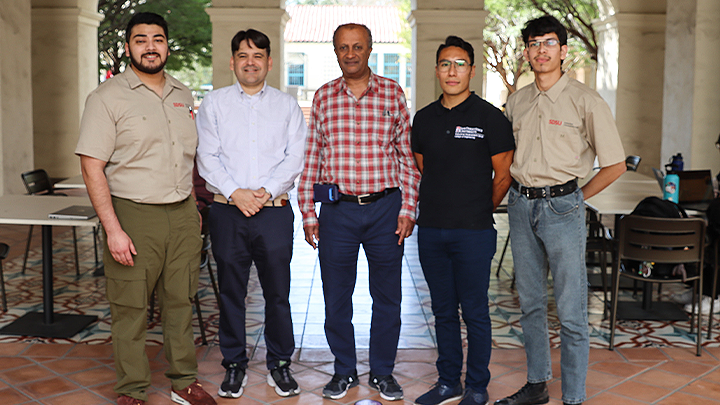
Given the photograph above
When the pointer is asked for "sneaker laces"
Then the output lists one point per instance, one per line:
(284, 371)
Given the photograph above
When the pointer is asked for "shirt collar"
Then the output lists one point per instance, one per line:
(242, 93)
(135, 82)
(462, 107)
(373, 84)
(554, 92)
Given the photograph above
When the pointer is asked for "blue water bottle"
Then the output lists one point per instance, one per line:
(671, 188)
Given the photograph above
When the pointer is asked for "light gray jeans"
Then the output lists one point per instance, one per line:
(549, 234)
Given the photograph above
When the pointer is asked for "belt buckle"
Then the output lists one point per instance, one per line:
(360, 197)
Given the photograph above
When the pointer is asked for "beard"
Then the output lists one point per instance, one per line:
(151, 70)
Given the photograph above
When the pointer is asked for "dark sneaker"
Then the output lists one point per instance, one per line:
(193, 394)
(283, 382)
(473, 397)
(530, 394)
(235, 380)
(339, 385)
(389, 388)
(440, 394)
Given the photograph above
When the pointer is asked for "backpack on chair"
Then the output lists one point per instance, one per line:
(658, 208)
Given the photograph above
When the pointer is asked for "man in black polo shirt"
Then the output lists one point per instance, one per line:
(458, 141)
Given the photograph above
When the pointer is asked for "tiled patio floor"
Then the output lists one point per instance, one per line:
(654, 362)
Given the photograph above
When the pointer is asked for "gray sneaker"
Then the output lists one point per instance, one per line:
(389, 388)
(283, 382)
(235, 380)
(339, 385)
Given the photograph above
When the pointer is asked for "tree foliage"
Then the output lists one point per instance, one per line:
(503, 40)
(190, 31)
(577, 16)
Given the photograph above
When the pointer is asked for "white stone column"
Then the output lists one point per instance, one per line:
(679, 87)
(630, 78)
(430, 26)
(227, 21)
(16, 121)
(691, 123)
(64, 71)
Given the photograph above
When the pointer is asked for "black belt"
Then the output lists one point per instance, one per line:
(367, 198)
(540, 192)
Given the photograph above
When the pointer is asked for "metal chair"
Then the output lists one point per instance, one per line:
(37, 182)
(659, 240)
(4, 249)
(598, 241)
(632, 162)
(716, 252)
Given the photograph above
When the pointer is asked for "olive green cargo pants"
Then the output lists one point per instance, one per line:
(168, 242)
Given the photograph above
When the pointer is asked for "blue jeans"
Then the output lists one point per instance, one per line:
(456, 264)
(549, 233)
(343, 227)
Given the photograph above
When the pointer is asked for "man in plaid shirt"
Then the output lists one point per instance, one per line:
(359, 139)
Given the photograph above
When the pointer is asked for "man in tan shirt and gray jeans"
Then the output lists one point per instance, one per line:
(137, 148)
(560, 126)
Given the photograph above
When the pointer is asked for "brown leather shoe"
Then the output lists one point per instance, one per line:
(194, 394)
(126, 400)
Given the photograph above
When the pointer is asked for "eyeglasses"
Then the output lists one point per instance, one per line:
(549, 43)
(461, 65)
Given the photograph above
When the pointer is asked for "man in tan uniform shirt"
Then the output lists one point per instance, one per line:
(560, 126)
(137, 147)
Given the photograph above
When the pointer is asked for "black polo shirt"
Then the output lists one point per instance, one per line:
(457, 146)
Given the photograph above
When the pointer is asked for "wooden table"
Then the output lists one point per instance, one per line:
(34, 210)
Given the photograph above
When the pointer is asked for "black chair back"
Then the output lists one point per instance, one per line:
(37, 182)
(632, 162)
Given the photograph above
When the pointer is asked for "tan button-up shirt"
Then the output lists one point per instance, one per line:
(559, 132)
(148, 141)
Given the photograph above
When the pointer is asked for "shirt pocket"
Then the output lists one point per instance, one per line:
(383, 126)
(131, 130)
(566, 143)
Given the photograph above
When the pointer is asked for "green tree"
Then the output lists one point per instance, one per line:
(503, 40)
(190, 39)
(577, 16)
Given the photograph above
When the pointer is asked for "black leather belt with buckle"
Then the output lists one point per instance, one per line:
(367, 198)
(541, 192)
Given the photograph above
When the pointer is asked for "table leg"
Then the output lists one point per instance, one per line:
(47, 323)
(48, 309)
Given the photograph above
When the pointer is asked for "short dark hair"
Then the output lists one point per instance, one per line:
(546, 24)
(258, 38)
(452, 40)
(353, 26)
(146, 18)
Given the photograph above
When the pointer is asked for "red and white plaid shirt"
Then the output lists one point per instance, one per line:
(362, 145)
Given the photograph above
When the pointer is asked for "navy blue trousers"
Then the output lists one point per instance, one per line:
(267, 239)
(456, 265)
(343, 228)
